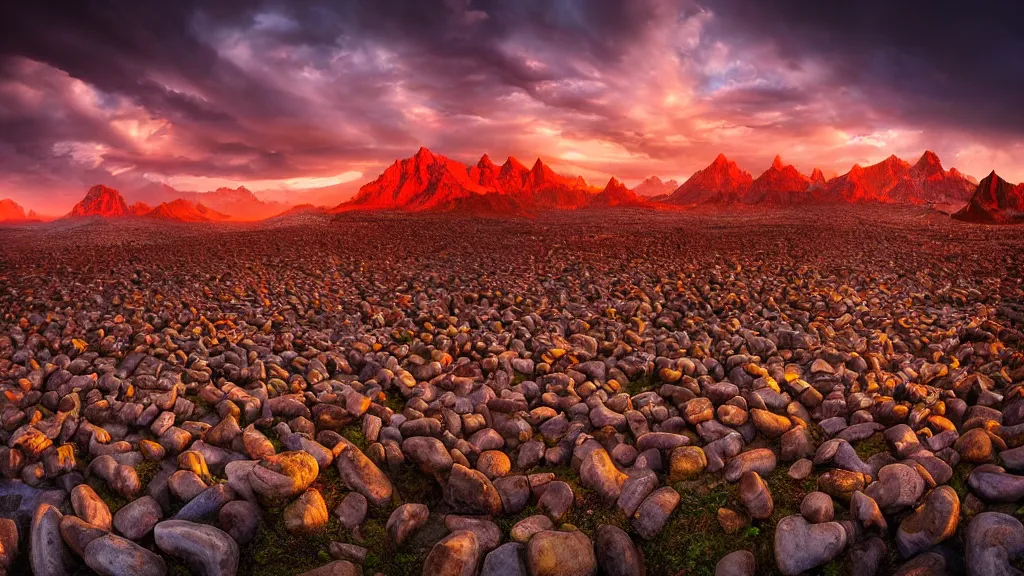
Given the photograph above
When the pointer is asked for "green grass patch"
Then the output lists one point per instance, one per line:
(870, 446)
(146, 471)
(354, 434)
(112, 499)
(642, 383)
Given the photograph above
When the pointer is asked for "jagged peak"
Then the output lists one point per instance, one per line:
(513, 162)
(721, 159)
(777, 163)
(424, 154)
(485, 162)
(102, 189)
(613, 182)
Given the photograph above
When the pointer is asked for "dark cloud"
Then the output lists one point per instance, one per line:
(275, 89)
(919, 61)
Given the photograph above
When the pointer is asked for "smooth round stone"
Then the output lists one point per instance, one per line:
(817, 507)
(935, 520)
(616, 554)
(458, 554)
(111, 555)
(241, 520)
(801, 546)
(405, 520)
(207, 550)
(553, 553)
(557, 500)
(90, 507)
(738, 563)
(527, 527)
(137, 518)
(308, 513)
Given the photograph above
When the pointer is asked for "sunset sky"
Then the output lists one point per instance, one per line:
(290, 96)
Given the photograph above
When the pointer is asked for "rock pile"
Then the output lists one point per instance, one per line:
(433, 396)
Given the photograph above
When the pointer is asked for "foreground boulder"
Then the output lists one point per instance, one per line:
(283, 476)
(111, 555)
(471, 492)
(801, 546)
(616, 554)
(993, 541)
(204, 549)
(554, 553)
(46, 547)
(458, 554)
(360, 474)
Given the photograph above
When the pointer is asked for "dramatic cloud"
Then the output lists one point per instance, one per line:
(314, 93)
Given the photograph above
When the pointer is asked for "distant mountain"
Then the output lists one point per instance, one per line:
(423, 182)
(780, 184)
(11, 211)
(932, 184)
(871, 184)
(615, 194)
(545, 190)
(895, 181)
(101, 201)
(431, 182)
(182, 210)
(237, 203)
(722, 182)
(653, 187)
(139, 209)
(818, 180)
(995, 201)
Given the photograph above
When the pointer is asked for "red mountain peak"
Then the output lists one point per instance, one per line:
(511, 163)
(721, 182)
(995, 201)
(101, 201)
(485, 162)
(777, 163)
(929, 157)
(11, 211)
(614, 183)
(616, 194)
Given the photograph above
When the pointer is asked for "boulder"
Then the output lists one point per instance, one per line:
(206, 550)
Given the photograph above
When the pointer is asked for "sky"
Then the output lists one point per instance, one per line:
(290, 97)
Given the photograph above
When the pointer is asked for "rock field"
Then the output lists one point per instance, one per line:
(819, 391)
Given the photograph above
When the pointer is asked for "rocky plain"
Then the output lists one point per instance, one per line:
(821, 391)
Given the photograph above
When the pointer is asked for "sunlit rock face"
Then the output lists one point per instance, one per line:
(101, 201)
(11, 211)
(995, 201)
(182, 210)
(722, 182)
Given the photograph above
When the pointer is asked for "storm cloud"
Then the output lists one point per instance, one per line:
(198, 94)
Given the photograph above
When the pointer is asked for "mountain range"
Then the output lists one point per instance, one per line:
(105, 202)
(429, 182)
(11, 211)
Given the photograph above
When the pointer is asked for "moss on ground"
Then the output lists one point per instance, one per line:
(146, 471)
(958, 481)
(642, 383)
(394, 401)
(276, 552)
(870, 446)
(112, 499)
(354, 434)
